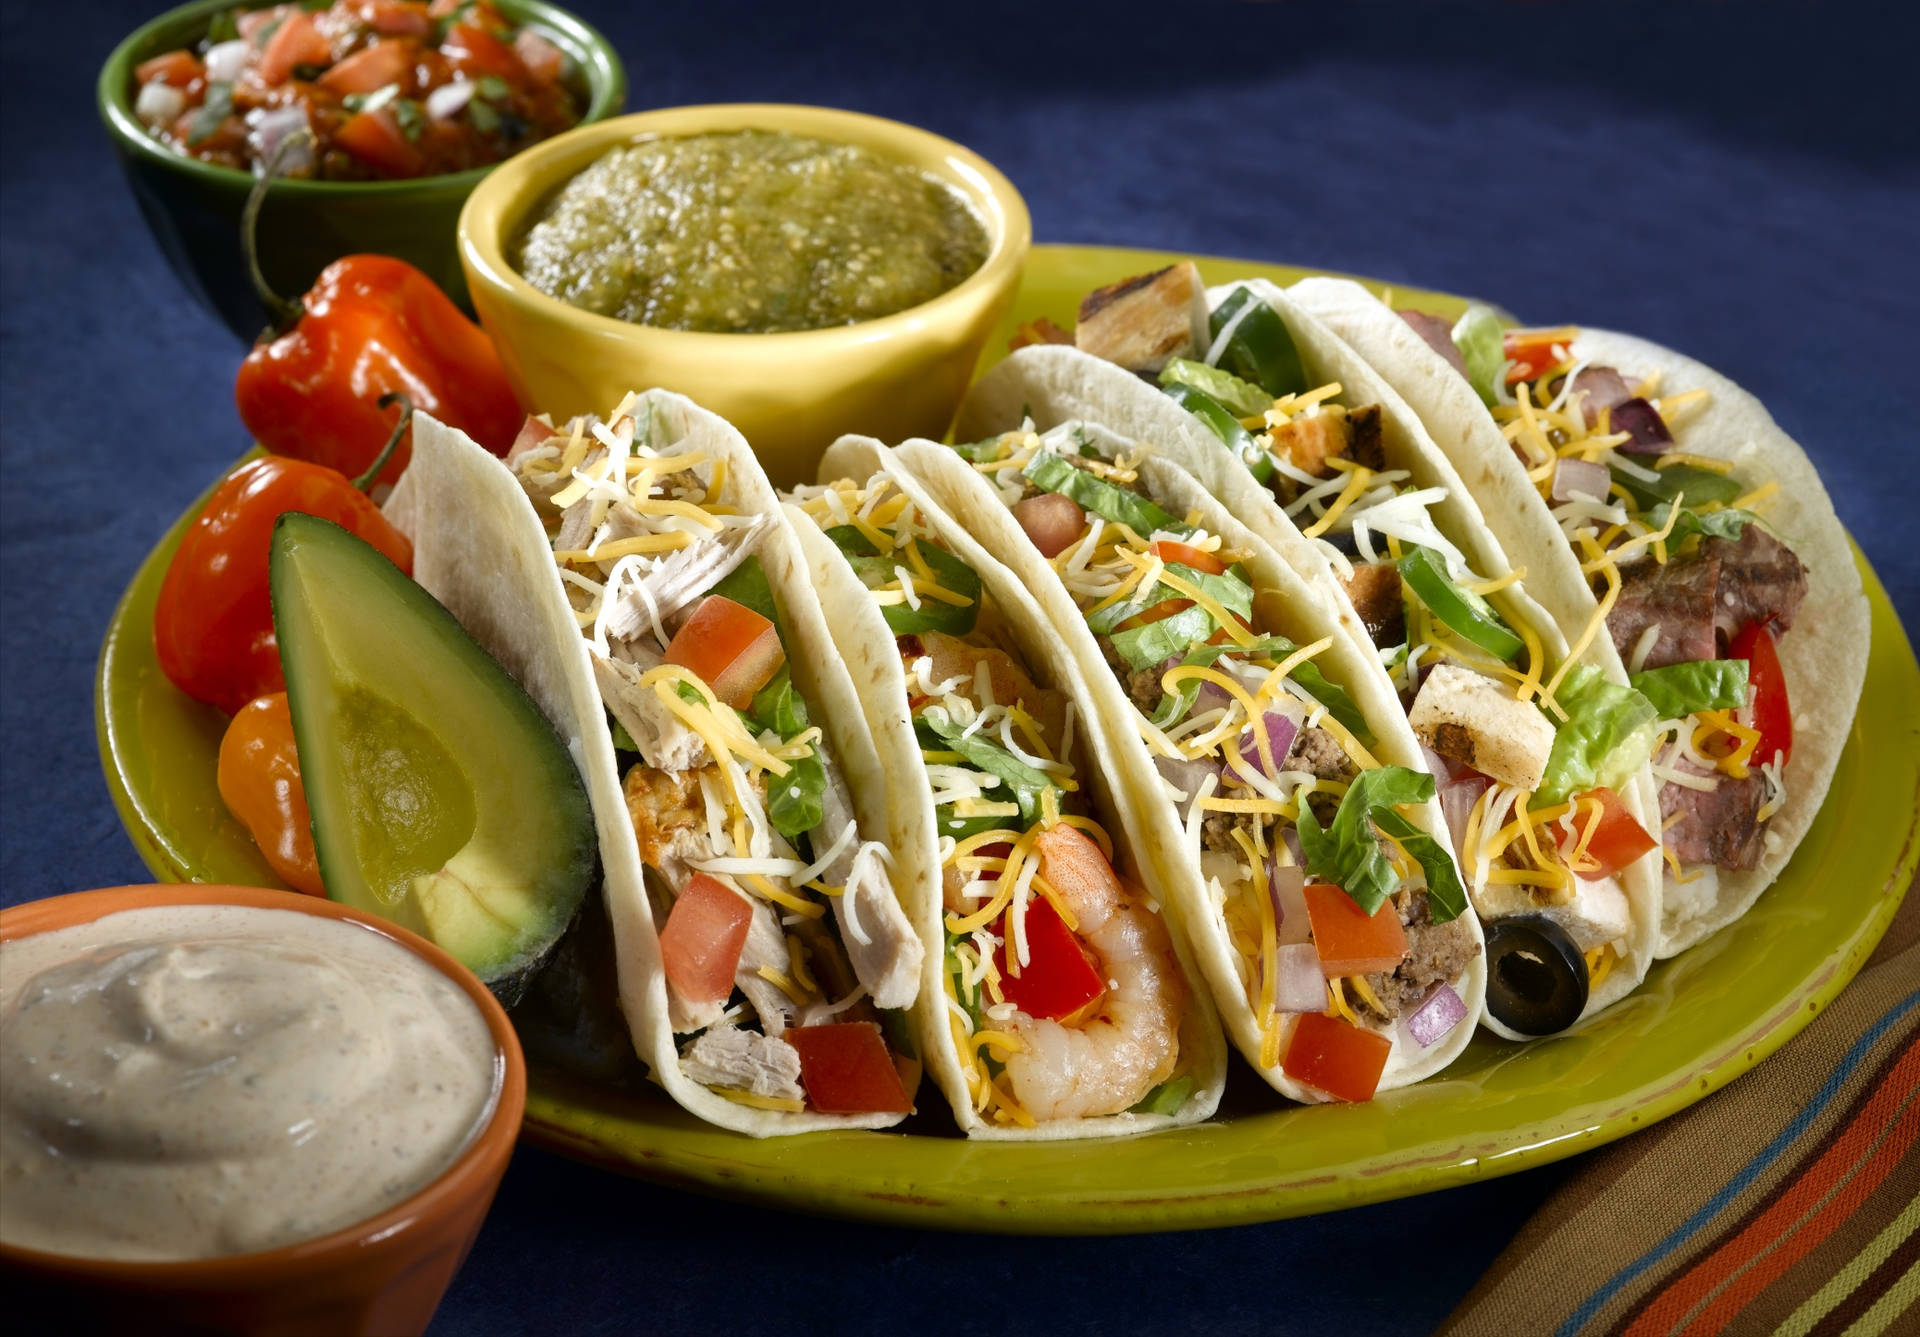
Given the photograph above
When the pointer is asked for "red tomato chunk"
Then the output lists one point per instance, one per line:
(847, 1070)
(701, 943)
(729, 647)
(1349, 940)
(1336, 1057)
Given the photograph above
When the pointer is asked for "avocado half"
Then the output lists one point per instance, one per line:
(442, 799)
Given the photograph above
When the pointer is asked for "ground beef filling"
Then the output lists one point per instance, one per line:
(1436, 954)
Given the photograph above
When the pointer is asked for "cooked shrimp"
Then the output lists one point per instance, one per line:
(1131, 1043)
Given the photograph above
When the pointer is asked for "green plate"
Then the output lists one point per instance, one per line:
(1698, 1022)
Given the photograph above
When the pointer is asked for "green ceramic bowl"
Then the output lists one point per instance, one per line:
(194, 207)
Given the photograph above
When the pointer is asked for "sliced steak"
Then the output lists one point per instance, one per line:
(1438, 335)
(1678, 598)
(1717, 826)
(1759, 577)
(1375, 594)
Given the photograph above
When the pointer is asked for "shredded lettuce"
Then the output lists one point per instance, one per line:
(876, 572)
(1230, 589)
(1241, 398)
(1721, 524)
(1347, 853)
(1677, 481)
(1143, 647)
(1678, 690)
(1482, 345)
(1050, 473)
(1608, 735)
(1166, 1098)
(1174, 706)
(1019, 782)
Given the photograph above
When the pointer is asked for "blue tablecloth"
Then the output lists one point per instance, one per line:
(1739, 182)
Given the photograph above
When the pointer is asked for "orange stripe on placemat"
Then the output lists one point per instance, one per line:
(1865, 1150)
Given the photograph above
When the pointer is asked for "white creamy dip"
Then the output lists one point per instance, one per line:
(190, 1081)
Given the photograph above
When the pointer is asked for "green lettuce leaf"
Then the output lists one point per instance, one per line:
(1607, 736)
(1166, 1098)
(1231, 589)
(1143, 647)
(1482, 344)
(1347, 853)
(875, 571)
(1050, 473)
(747, 585)
(1446, 894)
(1175, 705)
(1721, 524)
(1678, 690)
(793, 799)
(1019, 782)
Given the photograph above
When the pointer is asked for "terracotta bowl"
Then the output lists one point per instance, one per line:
(385, 1275)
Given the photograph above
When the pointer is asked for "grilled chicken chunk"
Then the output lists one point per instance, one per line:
(1139, 323)
(744, 1061)
(1469, 718)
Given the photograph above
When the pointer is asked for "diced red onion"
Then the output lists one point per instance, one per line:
(1641, 421)
(1298, 984)
(1185, 776)
(227, 61)
(1286, 884)
(1280, 734)
(1436, 1017)
(1441, 768)
(1582, 476)
(1457, 798)
(268, 128)
(1598, 388)
(445, 102)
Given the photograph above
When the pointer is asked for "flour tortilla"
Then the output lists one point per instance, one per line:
(896, 775)
(1285, 603)
(481, 549)
(1055, 384)
(1824, 656)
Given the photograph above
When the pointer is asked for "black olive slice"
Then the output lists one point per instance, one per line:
(1536, 975)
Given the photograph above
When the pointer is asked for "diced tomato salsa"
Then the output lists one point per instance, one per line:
(389, 89)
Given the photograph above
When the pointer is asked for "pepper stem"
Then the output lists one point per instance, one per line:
(284, 312)
(388, 400)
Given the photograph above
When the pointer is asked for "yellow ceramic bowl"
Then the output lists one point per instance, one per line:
(792, 393)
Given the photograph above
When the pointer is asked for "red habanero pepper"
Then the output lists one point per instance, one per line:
(370, 326)
(213, 624)
(259, 778)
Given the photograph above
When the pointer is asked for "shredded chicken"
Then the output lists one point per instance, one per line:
(744, 1061)
(888, 961)
(663, 739)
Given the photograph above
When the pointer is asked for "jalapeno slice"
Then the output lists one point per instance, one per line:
(1221, 422)
(1463, 611)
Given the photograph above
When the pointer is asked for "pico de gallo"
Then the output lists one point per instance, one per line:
(1063, 994)
(789, 962)
(1345, 918)
(1692, 585)
(383, 89)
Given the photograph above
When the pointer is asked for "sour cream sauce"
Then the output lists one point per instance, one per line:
(192, 1081)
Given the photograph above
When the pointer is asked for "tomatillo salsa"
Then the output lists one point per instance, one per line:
(388, 90)
(750, 232)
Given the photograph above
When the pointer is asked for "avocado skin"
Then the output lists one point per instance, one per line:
(360, 641)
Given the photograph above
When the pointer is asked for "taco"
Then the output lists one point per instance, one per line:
(765, 967)
(1656, 497)
(1060, 998)
(1329, 921)
(1541, 754)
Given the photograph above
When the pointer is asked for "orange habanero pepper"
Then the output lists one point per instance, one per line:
(259, 778)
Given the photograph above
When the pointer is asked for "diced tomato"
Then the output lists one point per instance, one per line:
(227, 137)
(376, 139)
(729, 647)
(1336, 1056)
(1052, 521)
(1349, 940)
(1767, 692)
(393, 18)
(1618, 841)
(847, 1070)
(1058, 979)
(383, 63)
(177, 68)
(1166, 608)
(701, 942)
(476, 53)
(1530, 352)
(297, 41)
(1200, 560)
(533, 434)
(542, 58)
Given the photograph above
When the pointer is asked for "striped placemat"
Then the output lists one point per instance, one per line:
(1787, 1203)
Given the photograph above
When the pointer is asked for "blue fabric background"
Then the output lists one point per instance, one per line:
(1739, 182)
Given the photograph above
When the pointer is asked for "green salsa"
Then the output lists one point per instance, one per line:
(750, 232)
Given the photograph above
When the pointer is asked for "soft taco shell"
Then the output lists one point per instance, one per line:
(481, 549)
(1286, 604)
(896, 775)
